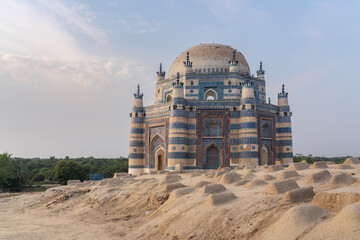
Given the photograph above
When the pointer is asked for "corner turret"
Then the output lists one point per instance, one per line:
(137, 135)
(283, 98)
(261, 72)
(178, 88)
(283, 130)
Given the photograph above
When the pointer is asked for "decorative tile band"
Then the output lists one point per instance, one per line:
(137, 130)
(246, 140)
(244, 155)
(180, 125)
(243, 125)
(284, 143)
(284, 155)
(137, 144)
(283, 130)
(136, 156)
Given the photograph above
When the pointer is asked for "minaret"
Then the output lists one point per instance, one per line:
(177, 153)
(188, 64)
(137, 135)
(234, 64)
(249, 145)
(159, 85)
(261, 72)
(283, 129)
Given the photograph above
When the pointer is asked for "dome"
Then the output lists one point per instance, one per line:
(209, 55)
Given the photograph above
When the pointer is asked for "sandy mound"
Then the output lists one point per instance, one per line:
(249, 175)
(242, 182)
(209, 174)
(201, 184)
(286, 175)
(281, 187)
(255, 183)
(169, 180)
(294, 222)
(341, 179)
(322, 176)
(212, 188)
(274, 168)
(229, 178)
(334, 200)
(220, 198)
(268, 177)
(298, 166)
(181, 192)
(345, 225)
(320, 164)
(250, 167)
(172, 186)
(153, 172)
(194, 174)
(119, 175)
(299, 195)
(343, 166)
(352, 160)
(73, 182)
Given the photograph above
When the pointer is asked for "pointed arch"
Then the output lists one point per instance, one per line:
(265, 155)
(212, 129)
(266, 130)
(157, 143)
(210, 94)
(212, 156)
(168, 98)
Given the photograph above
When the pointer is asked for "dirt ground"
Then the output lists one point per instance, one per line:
(249, 203)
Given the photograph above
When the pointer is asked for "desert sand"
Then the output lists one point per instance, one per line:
(299, 202)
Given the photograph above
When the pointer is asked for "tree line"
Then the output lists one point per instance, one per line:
(311, 159)
(17, 172)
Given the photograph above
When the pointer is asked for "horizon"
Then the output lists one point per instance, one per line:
(68, 70)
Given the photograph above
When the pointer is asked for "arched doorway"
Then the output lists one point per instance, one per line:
(212, 157)
(156, 144)
(160, 159)
(265, 155)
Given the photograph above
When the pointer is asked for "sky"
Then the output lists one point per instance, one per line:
(68, 69)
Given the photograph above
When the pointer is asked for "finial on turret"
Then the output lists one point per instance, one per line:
(283, 93)
(233, 60)
(260, 71)
(160, 73)
(269, 101)
(187, 63)
(177, 83)
(138, 94)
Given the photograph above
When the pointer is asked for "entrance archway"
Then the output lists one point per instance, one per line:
(265, 155)
(212, 157)
(160, 159)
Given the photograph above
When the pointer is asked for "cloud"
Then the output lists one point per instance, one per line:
(46, 28)
(69, 78)
(137, 25)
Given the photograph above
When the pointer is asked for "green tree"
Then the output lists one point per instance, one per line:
(7, 171)
(70, 170)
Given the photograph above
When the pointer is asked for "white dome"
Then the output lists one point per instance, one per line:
(210, 55)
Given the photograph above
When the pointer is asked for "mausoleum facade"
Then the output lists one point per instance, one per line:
(209, 112)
